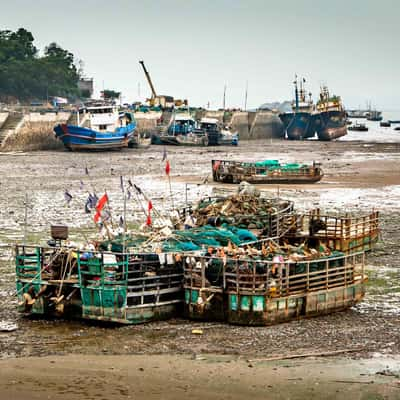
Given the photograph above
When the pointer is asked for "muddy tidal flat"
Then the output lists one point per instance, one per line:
(358, 177)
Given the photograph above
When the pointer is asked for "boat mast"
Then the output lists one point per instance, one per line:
(245, 95)
(223, 103)
(296, 92)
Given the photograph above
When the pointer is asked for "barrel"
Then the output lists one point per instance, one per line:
(59, 232)
(214, 221)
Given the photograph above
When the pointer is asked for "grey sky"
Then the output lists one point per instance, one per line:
(193, 48)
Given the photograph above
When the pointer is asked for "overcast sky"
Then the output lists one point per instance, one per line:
(193, 48)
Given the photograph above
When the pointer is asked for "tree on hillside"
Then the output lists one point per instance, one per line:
(61, 73)
(108, 94)
(26, 76)
(16, 46)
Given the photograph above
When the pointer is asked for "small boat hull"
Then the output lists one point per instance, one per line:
(192, 140)
(78, 138)
(261, 310)
(219, 139)
(248, 296)
(236, 172)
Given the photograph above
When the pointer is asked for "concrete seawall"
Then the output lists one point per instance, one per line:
(266, 125)
(249, 125)
(3, 117)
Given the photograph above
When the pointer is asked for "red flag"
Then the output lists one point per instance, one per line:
(150, 207)
(100, 205)
(167, 168)
(216, 165)
(148, 222)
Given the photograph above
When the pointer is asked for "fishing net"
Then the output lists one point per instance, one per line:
(207, 236)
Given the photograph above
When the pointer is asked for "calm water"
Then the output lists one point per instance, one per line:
(375, 132)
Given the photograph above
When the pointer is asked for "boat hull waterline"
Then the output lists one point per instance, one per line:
(79, 138)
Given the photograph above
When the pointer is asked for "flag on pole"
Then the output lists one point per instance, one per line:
(67, 196)
(130, 182)
(164, 157)
(149, 207)
(100, 205)
(167, 168)
(216, 165)
(137, 189)
(91, 203)
(105, 215)
(88, 208)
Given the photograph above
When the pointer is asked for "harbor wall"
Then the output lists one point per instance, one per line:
(266, 125)
(263, 124)
(3, 117)
(240, 123)
(37, 117)
(147, 122)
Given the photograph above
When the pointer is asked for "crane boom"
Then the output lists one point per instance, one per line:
(153, 91)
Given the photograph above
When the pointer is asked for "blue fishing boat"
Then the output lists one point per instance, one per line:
(97, 127)
(182, 125)
(181, 132)
(299, 123)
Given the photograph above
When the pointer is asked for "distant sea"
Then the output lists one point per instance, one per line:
(393, 115)
(376, 133)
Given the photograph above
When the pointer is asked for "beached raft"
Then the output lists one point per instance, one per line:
(117, 287)
(249, 291)
(265, 172)
(346, 233)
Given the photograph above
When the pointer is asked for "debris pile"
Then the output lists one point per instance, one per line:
(241, 210)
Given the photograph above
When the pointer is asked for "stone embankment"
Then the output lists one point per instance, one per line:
(263, 124)
(14, 121)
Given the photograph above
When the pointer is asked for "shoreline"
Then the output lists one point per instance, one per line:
(198, 377)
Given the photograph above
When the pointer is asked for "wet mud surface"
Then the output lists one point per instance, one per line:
(359, 176)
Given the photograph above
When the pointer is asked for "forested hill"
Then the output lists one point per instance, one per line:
(27, 76)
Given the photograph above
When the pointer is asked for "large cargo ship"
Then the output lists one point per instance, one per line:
(299, 123)
(330, 118)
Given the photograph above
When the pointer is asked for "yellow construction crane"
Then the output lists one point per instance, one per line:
(163, 101)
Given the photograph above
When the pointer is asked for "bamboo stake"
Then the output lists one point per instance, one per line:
(316, 354)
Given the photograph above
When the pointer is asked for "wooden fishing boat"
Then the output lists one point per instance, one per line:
(107, 286)
(265, 173)
(251, 291)
(347, 233)
(217, 134)
(140, 141)
(97, 127)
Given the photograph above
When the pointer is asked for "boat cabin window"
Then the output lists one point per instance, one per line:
(102, 127)
(209, 127)
(100, 110)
